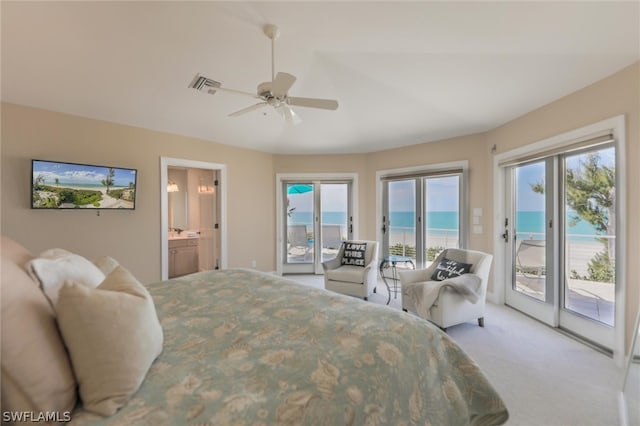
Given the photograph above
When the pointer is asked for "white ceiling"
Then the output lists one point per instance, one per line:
(403, 73)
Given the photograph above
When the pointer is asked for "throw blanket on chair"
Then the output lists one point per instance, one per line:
(426, 293)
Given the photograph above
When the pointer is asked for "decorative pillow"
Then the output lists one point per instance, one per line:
(36, 372)
(448, 268)
(55, 266)
(113, 336)
(354, 253)
(106, 264)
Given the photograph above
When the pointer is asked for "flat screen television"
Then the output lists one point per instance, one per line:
(58, 185)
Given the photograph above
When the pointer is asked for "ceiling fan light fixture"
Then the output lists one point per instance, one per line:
(273, 93)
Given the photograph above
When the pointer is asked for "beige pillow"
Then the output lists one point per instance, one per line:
(106, 264)
(113, 335)
(36, 372)
(15, 251)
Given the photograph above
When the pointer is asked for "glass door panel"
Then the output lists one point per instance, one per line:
(299, 223)
(442, 212)
(334, 226)
(563, 256)
(529, 218)
(590, 235)
(400, 232)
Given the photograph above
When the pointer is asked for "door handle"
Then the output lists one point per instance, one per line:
(505, 235)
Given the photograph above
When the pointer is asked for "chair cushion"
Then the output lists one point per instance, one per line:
(448, 268)
(346, 273)
(354, 254)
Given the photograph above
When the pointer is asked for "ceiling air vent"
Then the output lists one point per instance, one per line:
(201, 83)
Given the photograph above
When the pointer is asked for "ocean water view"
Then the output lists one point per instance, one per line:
(529, 224)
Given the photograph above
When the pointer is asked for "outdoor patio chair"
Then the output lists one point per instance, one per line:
(297, 240)
(331, 236)
(530, 258)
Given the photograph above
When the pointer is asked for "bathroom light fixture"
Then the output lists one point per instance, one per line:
(172, 187)
(205, 188)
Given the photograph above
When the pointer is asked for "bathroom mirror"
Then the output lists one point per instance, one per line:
(630, 396)
(178, 201)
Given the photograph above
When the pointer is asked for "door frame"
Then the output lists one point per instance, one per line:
(617, 124)
(464, 195)
(165, 163)
(281, 178)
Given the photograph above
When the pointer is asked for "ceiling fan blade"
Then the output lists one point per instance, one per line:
(248, 109)
(288, 114)
(281, 84)
(314, 103)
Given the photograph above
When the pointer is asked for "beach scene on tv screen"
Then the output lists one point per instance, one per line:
(66, 186)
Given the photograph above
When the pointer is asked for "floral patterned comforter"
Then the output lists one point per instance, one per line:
(248, 348)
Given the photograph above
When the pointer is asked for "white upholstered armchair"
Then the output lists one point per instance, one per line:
(451, 301)
(353, 279)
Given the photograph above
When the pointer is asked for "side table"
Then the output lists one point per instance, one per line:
(391, 262)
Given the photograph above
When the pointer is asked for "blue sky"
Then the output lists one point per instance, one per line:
(78, 174)
(527, 200)
(442, 195)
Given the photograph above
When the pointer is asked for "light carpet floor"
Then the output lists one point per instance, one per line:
(545, 377)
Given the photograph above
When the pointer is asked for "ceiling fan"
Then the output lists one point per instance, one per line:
(272, 93)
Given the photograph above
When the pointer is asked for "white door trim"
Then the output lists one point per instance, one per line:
(280, 177)
(617, 125)
(464, 205)
(165, 162)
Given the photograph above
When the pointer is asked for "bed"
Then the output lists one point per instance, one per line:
(245, 347)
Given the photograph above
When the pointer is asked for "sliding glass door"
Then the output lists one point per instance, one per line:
(318, 218)
(560, 231)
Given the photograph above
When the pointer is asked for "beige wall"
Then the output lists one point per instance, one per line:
(132, 237)
(353, 163)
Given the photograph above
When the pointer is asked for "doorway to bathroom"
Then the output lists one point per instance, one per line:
(193, 225)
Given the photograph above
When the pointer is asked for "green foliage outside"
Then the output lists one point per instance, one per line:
(410, 251)
(591, 193)
(77, 197)
(601, 268)
(433, 252)
(123, 194)
(108, 181)
(402, 250)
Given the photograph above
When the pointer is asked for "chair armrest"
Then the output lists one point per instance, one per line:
(414, 275)
(331, 264)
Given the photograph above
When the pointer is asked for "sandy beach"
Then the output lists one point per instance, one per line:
(579, 253)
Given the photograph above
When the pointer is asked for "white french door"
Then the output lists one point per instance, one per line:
(423, 215)
(560, 235)
(317, 218)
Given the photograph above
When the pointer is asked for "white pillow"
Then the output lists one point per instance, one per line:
(55, 266)
(113, 335)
